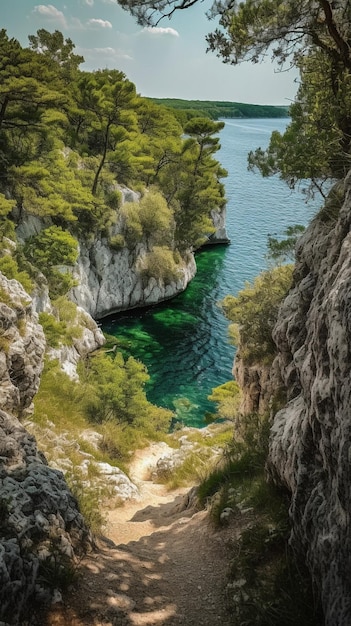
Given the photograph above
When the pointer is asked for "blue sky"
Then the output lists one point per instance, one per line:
(169, 61)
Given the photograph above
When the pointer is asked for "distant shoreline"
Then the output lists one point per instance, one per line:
(218, 109)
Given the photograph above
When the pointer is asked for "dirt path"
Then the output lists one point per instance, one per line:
(161, 565)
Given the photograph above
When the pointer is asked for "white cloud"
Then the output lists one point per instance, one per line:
(106, 54)
(90, 3)
(51, 13)
(99, 23)
(158, 30)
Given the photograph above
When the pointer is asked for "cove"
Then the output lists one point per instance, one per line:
(183, 342)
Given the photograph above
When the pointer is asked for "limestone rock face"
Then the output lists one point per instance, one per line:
(40, 525)
(109, 277)
(91, 339)
(22, 345)
(310, 447)
(257, 385)
(109, 280)
(219, 222)
(38, 515)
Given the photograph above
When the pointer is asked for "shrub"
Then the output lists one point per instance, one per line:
(243, 457)
(9, 267)
(113, 199)
(117, 242)
(151, 218)
(254, 312)
(6, 226)
(227, 398)
(89, 498)
(267, 585)
(114, 390)
(51, 248)
(160, 264)
(63, 329)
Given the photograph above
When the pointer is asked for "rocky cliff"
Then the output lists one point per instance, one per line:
(110, 277)
(110, 280)
(257, 385)
(310, 447)
(41, 529)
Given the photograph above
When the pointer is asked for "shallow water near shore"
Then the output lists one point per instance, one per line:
(183, 342)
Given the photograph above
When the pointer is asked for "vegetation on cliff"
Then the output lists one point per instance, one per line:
(253, 313)
(69, 139)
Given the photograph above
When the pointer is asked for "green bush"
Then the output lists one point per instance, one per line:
(7, 228)
(227, 398)
(254, 312)
(9, 267)
(117, 242)
(114, 391)
(57, 332)
(160, 264)
(113, 199)
(51, 248)
(151, 218)
(267, 585)
(243, 457)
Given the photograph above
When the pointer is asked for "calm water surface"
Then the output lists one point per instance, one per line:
(184, 342)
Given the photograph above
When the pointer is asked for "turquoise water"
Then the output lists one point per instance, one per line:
(184, 342)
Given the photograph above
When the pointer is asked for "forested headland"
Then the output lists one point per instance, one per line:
(216, 109)
(70, 138)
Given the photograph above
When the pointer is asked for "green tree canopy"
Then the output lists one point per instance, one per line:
(199, 190)
(56, 48)
(108, 98)
(315, 36)
(31, 101)
(51, 249)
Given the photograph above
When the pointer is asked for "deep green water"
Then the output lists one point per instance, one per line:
(174, 340)
(183, 342)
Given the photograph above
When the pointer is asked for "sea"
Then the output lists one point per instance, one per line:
(184, 342)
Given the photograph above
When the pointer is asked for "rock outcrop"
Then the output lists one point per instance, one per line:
(257, 385)
(109, 280)
(219, 222)
(41, 529)
(90, 339)
(310, 447)
(22, 344)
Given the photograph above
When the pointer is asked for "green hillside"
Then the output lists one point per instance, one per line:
(219, 109)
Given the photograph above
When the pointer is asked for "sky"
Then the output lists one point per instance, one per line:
(169, 61)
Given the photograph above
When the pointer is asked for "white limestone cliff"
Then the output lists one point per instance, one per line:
(110, 280)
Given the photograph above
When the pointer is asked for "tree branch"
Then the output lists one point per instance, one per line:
(339, 41)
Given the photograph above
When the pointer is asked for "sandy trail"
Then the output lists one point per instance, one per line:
(162, 564)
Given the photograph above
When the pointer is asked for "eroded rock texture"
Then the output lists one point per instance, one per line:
(110, 280)
(40, 525)
(22, 344)
(257, 385)
(310, 448)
